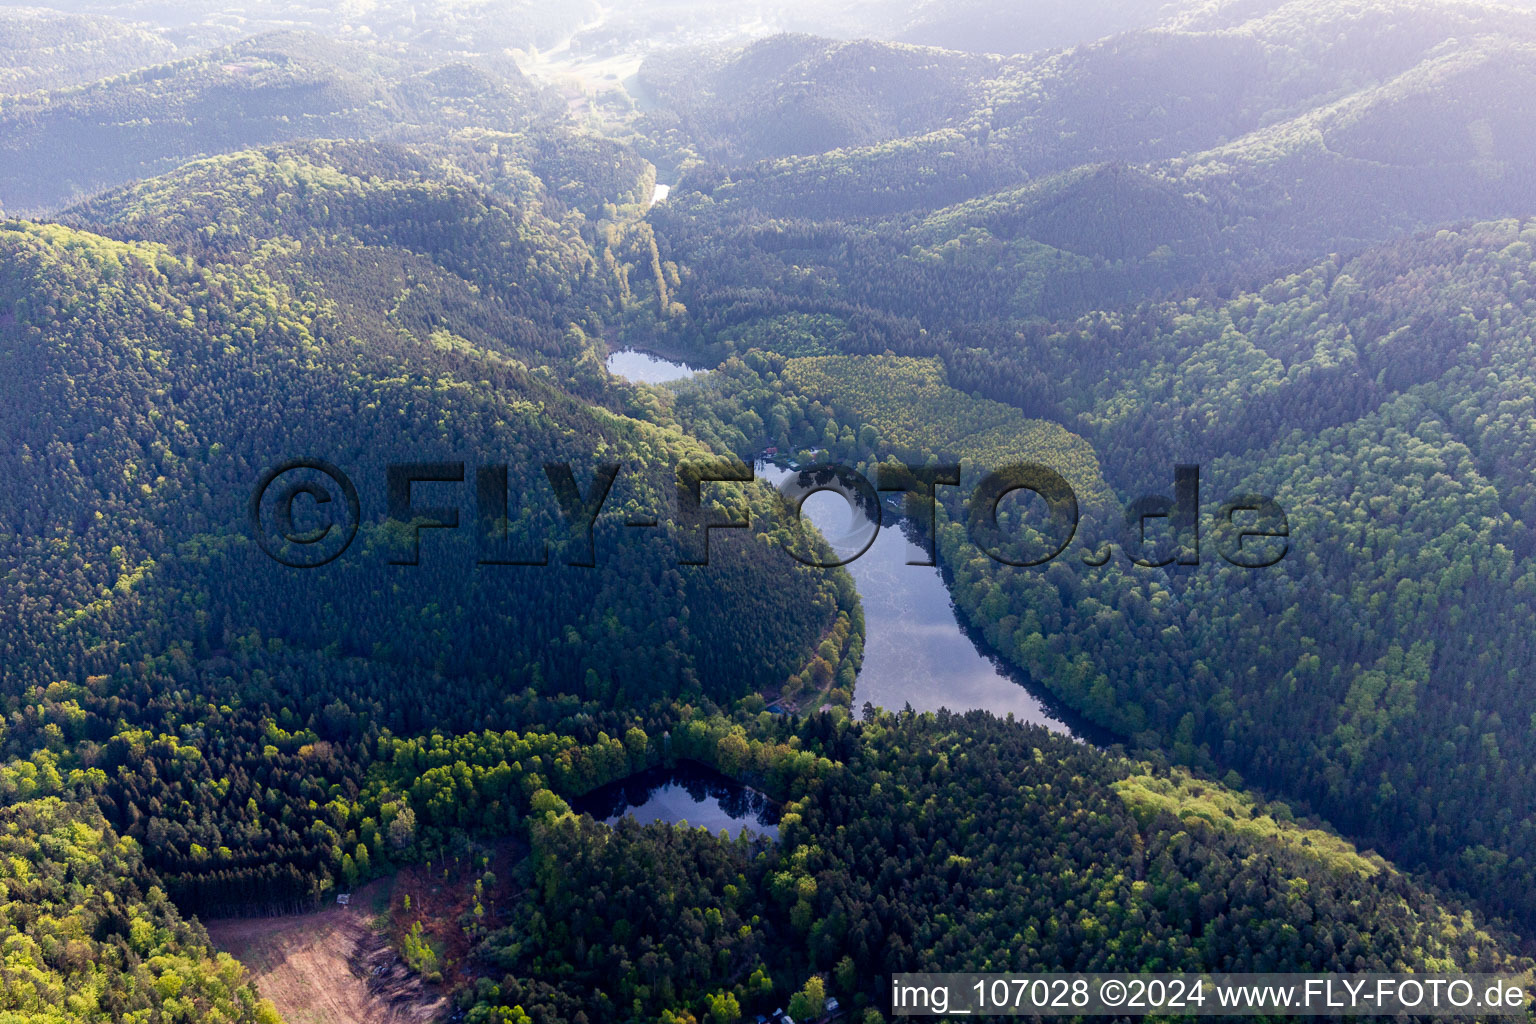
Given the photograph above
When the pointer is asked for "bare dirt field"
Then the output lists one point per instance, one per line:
(330, 967)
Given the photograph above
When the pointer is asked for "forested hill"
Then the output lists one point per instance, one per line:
(264, 736)
(795, 95)
(1380, 404)
(1377, 672)
(1141, 97)
(393, 319)
(400, 26)
(994, 26)
(42, 49)
(1079, 862)
(1304, 309)
(1219, 125)
(1158, 162)
(66, 144)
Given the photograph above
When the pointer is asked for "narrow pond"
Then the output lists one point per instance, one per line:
(690, 792)
(916, 650)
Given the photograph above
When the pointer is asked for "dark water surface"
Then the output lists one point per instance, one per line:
(690, 792)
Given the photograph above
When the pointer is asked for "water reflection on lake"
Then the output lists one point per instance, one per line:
(645, 368)
(915, 649)
(689, 792)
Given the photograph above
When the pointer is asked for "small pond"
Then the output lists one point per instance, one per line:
(645, 368)
(689, 792)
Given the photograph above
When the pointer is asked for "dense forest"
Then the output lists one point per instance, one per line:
(940, 842)
(1376, 397)
(90, 936)
(1288, 242)
(155, 549)
(51, 49)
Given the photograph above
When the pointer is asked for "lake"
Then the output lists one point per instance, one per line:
(645, 368)
(916, 650)
(690, 792)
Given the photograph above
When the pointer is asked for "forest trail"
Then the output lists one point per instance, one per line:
(330, 966)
